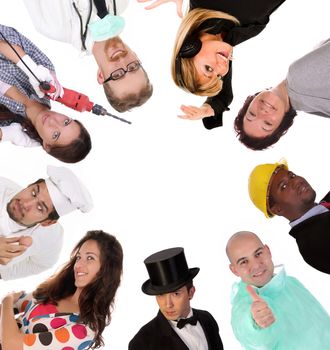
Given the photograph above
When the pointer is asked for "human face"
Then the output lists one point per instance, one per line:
(56, 129)
(251, 260)
(88, 263)
(264, 115)
(175, 305)
(212, 60)
(292, 194)
(112, 55)
(31, 206)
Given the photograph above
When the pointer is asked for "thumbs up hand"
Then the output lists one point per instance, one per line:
(261, 312)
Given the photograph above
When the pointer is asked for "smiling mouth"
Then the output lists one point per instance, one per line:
(117, 53)
(226, 56)
(44, 118)
(267, 104)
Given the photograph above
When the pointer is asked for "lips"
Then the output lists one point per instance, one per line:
(17, 208)
(44, 118)
(267, 104)
(117, 53)
(225, 56)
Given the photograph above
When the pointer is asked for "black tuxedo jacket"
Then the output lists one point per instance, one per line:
(313, 239)
(159, 335)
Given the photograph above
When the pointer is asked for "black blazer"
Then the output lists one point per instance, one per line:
(253, 16)
(313, 239)
(159, 335)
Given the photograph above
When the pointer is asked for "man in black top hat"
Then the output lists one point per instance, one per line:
(177, 326)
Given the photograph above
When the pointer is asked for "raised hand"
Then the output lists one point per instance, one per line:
(261, 312)
(195, 113)
(10, 248)
(160, 2)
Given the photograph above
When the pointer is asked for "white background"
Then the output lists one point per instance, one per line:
(165, 182)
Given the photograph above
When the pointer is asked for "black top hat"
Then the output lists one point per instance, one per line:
(168, 271)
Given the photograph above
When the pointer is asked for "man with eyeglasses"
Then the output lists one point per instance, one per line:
(93, 27)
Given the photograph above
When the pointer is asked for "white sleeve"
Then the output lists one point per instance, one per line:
(43, 253)
(4, 87)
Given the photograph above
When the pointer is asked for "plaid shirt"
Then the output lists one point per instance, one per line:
(14, 76)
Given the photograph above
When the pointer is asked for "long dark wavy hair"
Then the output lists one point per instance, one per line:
(71, 153)
(96, 300)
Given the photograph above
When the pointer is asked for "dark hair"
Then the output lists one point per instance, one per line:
(189, 285)
(53, 215)
(74, 151)
(71, 153)
(257, 143)
(131, 100)
(97, 298)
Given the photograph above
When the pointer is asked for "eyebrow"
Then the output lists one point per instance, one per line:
(89, 253)
(42, 202)
(244, 257)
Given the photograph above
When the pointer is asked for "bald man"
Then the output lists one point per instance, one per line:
(272, 310)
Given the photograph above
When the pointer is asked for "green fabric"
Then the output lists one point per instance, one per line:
(301, 322)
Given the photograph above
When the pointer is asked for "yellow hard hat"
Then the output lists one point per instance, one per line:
(259, 181)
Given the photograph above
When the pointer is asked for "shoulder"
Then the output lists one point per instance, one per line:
(205, 316)
(8, 184)
(142, 338)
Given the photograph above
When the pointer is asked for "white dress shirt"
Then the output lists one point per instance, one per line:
(316, 210)
(192, 336)
(58, 19)
(46, 245)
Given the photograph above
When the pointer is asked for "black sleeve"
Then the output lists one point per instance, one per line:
(220, 102)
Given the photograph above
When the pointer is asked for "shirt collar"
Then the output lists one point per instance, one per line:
(316, 210)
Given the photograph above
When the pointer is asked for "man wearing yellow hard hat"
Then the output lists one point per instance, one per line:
(275, 190)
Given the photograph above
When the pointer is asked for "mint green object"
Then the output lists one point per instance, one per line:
(301, 322)
(107, 27)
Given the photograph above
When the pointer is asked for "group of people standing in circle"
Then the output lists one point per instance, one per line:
(270, 309)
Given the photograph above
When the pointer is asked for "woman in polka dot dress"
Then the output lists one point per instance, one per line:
(70, 310)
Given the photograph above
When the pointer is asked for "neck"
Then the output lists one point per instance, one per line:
(299, 213)
(33, 110)
(282, 92)
(75, 297)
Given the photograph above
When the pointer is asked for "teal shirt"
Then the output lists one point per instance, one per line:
(301, 322)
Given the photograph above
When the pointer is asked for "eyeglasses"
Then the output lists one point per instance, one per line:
(120, 73)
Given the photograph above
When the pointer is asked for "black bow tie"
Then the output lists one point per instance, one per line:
(183, 321)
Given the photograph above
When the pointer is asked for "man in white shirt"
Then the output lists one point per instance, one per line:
(87, 28)
(177, 326)
(275, 190)
(30, 215)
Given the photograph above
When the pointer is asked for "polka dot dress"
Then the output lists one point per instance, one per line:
(45, 328)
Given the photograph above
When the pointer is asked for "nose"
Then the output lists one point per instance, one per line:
(169, 302)
(79, 263)
(28, 203)
(256, 264)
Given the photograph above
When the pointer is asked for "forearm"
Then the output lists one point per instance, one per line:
(11, 337)
(16, 95)
(9, 53)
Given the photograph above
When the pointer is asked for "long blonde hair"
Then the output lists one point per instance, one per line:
(189, 24)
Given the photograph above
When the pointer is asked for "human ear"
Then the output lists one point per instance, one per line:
(46, 147)
(276, 210)
(191, 292)
(233, 269)
(99, 77)
(48, 222)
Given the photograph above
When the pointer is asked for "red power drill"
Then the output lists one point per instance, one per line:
(78, 101)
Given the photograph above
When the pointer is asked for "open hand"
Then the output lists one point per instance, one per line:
(195, 113)
(261, 312)
(160, 2)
